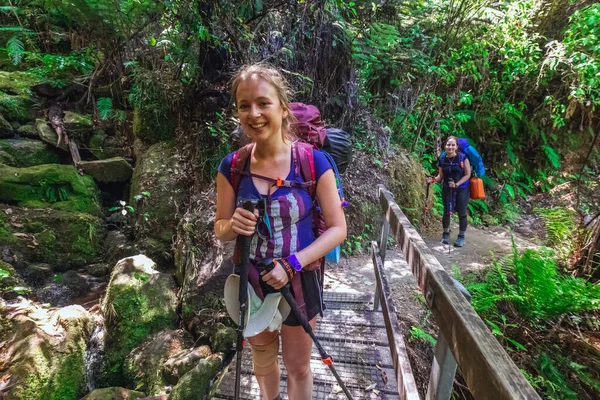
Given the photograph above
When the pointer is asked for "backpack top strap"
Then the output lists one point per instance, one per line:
(304, 163)
(238, 163)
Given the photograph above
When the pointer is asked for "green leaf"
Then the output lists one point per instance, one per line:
(152, 41)
(516, 344)
(113, 209)
(510, 190)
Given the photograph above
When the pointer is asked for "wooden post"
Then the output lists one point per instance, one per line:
(443, 369)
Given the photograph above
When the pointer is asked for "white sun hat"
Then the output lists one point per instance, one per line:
(267, 314)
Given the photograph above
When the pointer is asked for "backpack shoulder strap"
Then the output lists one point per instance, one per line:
(238, 163)
(305, 164)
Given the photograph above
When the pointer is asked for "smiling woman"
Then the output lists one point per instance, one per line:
(282, 219)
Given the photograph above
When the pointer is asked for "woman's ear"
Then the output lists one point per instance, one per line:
(285, 114)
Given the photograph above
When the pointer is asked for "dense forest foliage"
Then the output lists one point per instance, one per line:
(519, 78)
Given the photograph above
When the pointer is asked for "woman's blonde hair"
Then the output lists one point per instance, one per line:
(275, 79)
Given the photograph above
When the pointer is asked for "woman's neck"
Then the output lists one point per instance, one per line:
(269, 150)
(449, 154)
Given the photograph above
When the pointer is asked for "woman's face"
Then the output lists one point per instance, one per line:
(451, 146)
(259, 109)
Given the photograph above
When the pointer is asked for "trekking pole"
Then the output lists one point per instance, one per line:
(243, 298)
(268, 265)
(450, 205)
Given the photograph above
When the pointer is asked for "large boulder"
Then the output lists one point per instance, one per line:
(114, 393)
(45, 349)
(196, 383)
(201, 268)
(139, 302)
(156, 173)
(144, 365)
(16, 95)
(64, 240)
(23, 153)
(49, 186)
(115, 169)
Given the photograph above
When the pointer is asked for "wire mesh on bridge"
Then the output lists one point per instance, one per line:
(355, 336)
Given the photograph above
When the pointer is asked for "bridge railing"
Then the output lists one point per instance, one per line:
(463, 339)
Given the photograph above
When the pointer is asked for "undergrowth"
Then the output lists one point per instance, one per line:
(531, 307)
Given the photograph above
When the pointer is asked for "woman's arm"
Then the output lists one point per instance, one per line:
(330, 204)
(440, 176)
(467, 174)
(229, 220)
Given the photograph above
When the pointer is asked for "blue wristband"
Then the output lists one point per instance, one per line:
(295, 263)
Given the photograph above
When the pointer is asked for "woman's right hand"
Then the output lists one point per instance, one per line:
(243, 221)
(430, 180)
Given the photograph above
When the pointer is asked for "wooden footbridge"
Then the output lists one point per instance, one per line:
(361, 333)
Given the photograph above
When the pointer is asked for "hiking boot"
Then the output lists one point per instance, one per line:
(445, 237)
(460, 241)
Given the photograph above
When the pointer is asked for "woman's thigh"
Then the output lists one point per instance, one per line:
(296, 346)
(462, 200)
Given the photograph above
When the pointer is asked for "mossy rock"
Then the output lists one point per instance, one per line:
(16, 98)
(143, 366)
(65, 240)
(47, 351)
(78, 126)
(11, 284)
(183, 362)
(6, 128)
(24, 153)
(156, 221)
(114, 393)
(223, 339)
(28, 131)
(16, 83)
(48, 134)
(49, 186)
(6, 234)
(115, 169)
(408, 184)
(196, 384)
(139, 302)
(96, 142)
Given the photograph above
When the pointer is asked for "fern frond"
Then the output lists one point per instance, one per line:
(15, 49)
(105, 107)
(18, 29)
(552, 156)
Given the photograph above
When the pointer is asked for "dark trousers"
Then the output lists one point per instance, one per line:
(461, 200)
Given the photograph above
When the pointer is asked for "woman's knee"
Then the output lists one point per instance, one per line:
(297, 367)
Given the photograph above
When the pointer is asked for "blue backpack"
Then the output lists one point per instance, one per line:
(474, 157)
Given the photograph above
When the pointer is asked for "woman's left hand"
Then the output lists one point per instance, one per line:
(451, 184)
(277, 278)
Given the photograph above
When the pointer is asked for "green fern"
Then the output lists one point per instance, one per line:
(15, 49)
(552, 156)
(105, 107)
